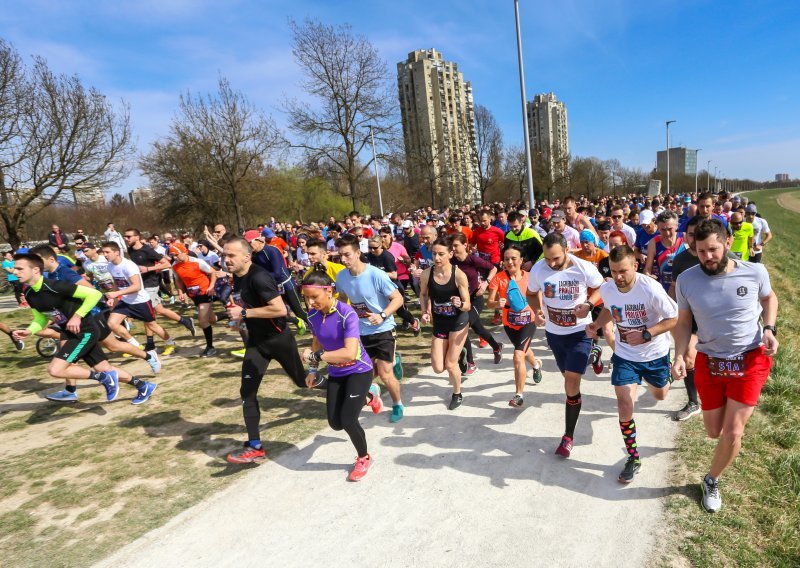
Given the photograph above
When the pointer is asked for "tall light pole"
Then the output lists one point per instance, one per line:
(715, 180)
(377, 177)
(668, 123)
(696, 169)
(708, 175)
(531, 202)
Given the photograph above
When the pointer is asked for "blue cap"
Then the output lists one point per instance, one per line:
(267, 232)
(588, 237)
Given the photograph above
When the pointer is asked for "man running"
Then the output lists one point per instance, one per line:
(726, 297)
(559, 284)
(198, 280)
(644, 315)
(761, 233)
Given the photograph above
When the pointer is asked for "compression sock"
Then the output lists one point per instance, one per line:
(137, 382)
(572, 411)
(209, 333)
(691, 390)
(256, 444)
(628, 429)
(71, 388)
(150, 344)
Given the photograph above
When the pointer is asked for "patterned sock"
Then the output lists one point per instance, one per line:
(572, 411)
(628, 429)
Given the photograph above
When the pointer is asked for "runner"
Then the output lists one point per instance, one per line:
(761, 233)
(590, 253)
(559, 283)
(617, 215)
(197, 280)
(644, 315)
(726, 297)
(558, 226)
(743, 236)
(524, 237)
(375, 299)
(257, 302)
(336, 340)
(517, 318)
(69, 306)
(383, 260)
(662, 249)
(444, 299)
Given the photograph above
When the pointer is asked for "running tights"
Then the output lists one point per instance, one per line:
(346, 396)
(291, 298)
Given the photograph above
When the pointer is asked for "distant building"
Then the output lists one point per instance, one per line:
(681, 161)
(781, 177)
(547, 129)
(438, 116)
(140, 195)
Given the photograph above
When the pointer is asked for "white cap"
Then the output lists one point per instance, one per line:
(407, 224)
(645, 216)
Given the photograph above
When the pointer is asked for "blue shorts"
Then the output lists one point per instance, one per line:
(655, 372)
(570, 351)
(142, 312)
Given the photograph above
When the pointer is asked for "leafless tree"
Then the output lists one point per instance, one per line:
(488, 150)
(350, 85)
(59, 141)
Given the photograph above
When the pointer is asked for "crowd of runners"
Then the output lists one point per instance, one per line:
(630, 272)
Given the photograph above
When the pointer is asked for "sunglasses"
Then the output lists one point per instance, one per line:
(616, 216)
(374, 248)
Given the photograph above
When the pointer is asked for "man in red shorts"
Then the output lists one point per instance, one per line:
(734, 356)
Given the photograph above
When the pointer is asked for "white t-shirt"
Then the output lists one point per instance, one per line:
(563, 291)
(630, 234)
(573, 237)
(122, 273)
(641, 307)
(760, 228)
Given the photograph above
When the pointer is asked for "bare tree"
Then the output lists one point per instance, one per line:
(488, 150)
(515, 169)
(217, 147)
(350, 82)
(59, 140)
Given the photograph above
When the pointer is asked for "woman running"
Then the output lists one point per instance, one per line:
(444, 299)
(517, 318)
(337, 341)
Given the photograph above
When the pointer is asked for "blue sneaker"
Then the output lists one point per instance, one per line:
(63, 396)
(397, 369)
(110, 381)
(397, 413)
(144, 393)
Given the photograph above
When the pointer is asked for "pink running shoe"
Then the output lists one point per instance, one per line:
(360, 468)
(565, 447)
(376, 404)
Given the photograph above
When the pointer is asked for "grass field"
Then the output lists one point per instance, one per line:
(759, 524)
(79, 481)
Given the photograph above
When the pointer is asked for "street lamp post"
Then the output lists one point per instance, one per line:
(377, 177)
(526, 137)
(696, 169)
(708, 175)
(668, 123)
(715, 180)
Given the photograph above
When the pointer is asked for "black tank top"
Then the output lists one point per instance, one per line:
(441, 294)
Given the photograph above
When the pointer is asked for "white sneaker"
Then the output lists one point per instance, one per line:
(712, 500)
(153, 361)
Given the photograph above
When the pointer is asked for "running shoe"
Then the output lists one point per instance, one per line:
(397, 413)
(376, 404)
(565, 447)
(239, 353)
(632, 467)
(208, 352)
(144, 393)
(462, 360)
(20, 345)
(516, 402)
(397, 368)
(482, 343)
(188, 323)
(712, 500)
(471, 368)
(127, 355)
(248, 454)
(321, 382)
(168, 350)
(597, 360)
(691, 409)
(455, 401)
(301, 327)
(497, 318)
(63, 396)
(153, 361)
(360, 468)
(497, 353)
(536, 374)
(110, 381)
(416, 327)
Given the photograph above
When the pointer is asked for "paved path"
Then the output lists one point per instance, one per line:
(479, 486)
(8, 303)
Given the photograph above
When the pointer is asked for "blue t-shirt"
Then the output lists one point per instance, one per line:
(332, 329)
(9, 275)
(643, 237)
(368, 293)
(64, 273)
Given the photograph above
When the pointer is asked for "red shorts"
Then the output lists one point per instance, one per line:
(714, 391)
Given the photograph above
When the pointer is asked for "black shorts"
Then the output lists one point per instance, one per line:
(202, 299)
(521, 338)
(142, 312)
(85, 345)
(380, 345)
(443, 326)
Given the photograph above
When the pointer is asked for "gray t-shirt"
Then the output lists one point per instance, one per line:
(726, 307)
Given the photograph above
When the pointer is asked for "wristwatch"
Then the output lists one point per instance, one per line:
(772, 328)
(244, 313)
(384, 316)
(646, 335)
(591, 305)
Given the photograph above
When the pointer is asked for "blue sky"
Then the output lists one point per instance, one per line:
(726, 71)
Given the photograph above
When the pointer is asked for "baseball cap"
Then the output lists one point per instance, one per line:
(250, 235)
(687, 199)
(751, 208)
(177, 248)
(267, 232)
(407, 224)
(588, 237)
(646, 217)
(523, 212)
(558, 214)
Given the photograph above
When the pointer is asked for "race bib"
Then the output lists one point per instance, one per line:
(727, 367)
(624, 331)
(193, 291)
(56, 316)
(519, 318)
(446, 309)
(121, 283)
(281, 289)
(106, 283)
(562, 318)
(236, 298)
(485, 256)
(362, 310)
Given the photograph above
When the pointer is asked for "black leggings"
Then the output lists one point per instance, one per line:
(283, 349)
(292, 299)
(17, 286)
(477, 326)
(346, 398)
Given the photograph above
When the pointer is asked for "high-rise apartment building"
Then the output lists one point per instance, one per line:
(547, 131)
(681, 161)
(781, 177)
(438, 118)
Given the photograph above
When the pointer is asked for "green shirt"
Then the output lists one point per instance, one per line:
(741, 239)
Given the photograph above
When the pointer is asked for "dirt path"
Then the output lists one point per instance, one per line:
(479, 486)
(790, 201)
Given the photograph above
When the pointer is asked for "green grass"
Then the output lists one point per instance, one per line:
(759, 524)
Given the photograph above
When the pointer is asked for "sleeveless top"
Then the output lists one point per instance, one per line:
(441, 294)
(662, 263)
